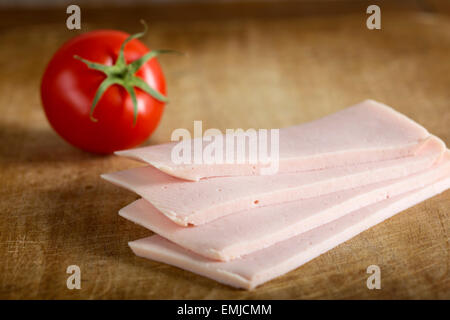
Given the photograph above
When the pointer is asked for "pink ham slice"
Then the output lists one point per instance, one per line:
(196, 203)
(269, 263)
(366, 132)
(247, 231)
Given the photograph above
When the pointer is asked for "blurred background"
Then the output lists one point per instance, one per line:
(249, 64)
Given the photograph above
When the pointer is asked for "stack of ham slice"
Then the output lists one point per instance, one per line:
(338, 176)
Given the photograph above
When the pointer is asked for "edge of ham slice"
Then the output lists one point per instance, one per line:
(247, 231)
(366, 132)
(189, 203)
(269, 263)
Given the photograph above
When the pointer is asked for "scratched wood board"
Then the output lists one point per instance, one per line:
(246, 72)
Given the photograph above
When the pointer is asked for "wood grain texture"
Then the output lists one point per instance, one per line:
(239, 73)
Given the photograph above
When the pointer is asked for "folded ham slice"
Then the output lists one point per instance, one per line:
(266, 264)
(366, 132)
(244, 232)
(196, 203)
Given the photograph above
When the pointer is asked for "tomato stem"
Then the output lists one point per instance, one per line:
(123, 74)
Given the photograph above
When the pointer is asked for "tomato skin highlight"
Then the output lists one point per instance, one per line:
(68, 88)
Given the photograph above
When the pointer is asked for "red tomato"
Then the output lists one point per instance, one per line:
(68, 88)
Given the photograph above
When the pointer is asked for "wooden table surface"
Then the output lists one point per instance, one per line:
(248, 71)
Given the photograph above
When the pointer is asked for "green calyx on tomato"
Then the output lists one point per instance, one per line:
(123, 74)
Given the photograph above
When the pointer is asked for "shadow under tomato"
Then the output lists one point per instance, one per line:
(19, 144)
